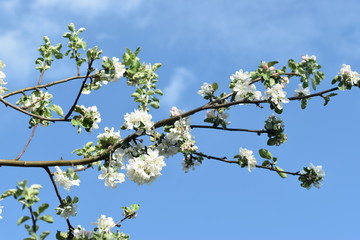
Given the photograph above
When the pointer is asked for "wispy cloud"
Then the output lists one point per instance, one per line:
(180, 80)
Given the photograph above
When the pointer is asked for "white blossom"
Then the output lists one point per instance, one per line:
(67, 211)
(139, 120)
(105, 224)
(111, 177)
(1, 207)
(93, 111)
(351, 77)
(109, 135)
(63, 180)
(2, 82)
(215, 115)
(277, 95)
(249, 157)
(119, 71)
(145, 168)
(319, 174)
(174, 111)
(206, 90)
(301, 91)
(33, 102)
(241, 75)
(243, 88)
(81, 233)
(307, 58)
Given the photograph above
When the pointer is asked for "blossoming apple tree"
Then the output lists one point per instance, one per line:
(139, 153)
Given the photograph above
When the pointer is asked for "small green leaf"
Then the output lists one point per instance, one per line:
(42, 208)
(281, 174)
(47, 218)
(215, 86)
(135, 207)
(265, 154)
(57, 109)
(8, 193)
(43, 235)
(22, 219)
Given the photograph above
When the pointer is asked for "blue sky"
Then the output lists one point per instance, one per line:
(197, 41)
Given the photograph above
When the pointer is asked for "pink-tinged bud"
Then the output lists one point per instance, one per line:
(264, 65)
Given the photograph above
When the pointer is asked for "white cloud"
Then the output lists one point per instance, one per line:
(180, 80)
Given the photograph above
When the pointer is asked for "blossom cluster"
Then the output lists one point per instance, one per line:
(348, 76)
(2, 77)
(80, 233)
(37, 100)
(67, 210)
(108, 137)
(276, 95)
(312, 175)
(246, 158)
(206, 90)
(111, 176)
(89, 118)
(145, 168)
(274, 127)
(138, 120)
(217, 117)
(242, 86)
(63, 179)
(105, 224)
(118, 70)
(178, 137)
(301, 91)
(307, 58)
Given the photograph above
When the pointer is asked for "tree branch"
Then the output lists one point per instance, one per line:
(44, 85)
(229, 129)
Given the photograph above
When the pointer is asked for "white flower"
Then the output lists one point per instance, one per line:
(307, 58)
(1, 207)
(241, 75)
(119, 71)
(139, 120)
(63, 180)
(67, 211)
(111, 177)
(206, 90)
(318, 172)
(216, 116)
(81, 233)
(109, 136)
(2, 82)
(349, 76)
(277, 95)
(249, 157)
(105, 224)
(174, 111)
(301, 91)
(243, 88)
(146, 168)
(93, 111)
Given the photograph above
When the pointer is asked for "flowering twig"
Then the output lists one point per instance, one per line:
(224, 159)
(230, 129)
(70, 227)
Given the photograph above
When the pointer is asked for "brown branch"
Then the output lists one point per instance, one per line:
(224, 159)
(44, 85)
(229, 129)
(6, 103)
(28, 142)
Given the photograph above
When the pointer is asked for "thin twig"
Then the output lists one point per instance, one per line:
(28, 142)
(229, 129)
(80, 90)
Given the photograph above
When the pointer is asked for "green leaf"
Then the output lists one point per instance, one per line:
(281, 174)
(43, 235)
(265, 163)
(47, 218)
(265, 154)
(215, 86)
(135, 207)
(22, 219)
(42, 208)
(57, 109)
(8, 193)
(270, 64)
